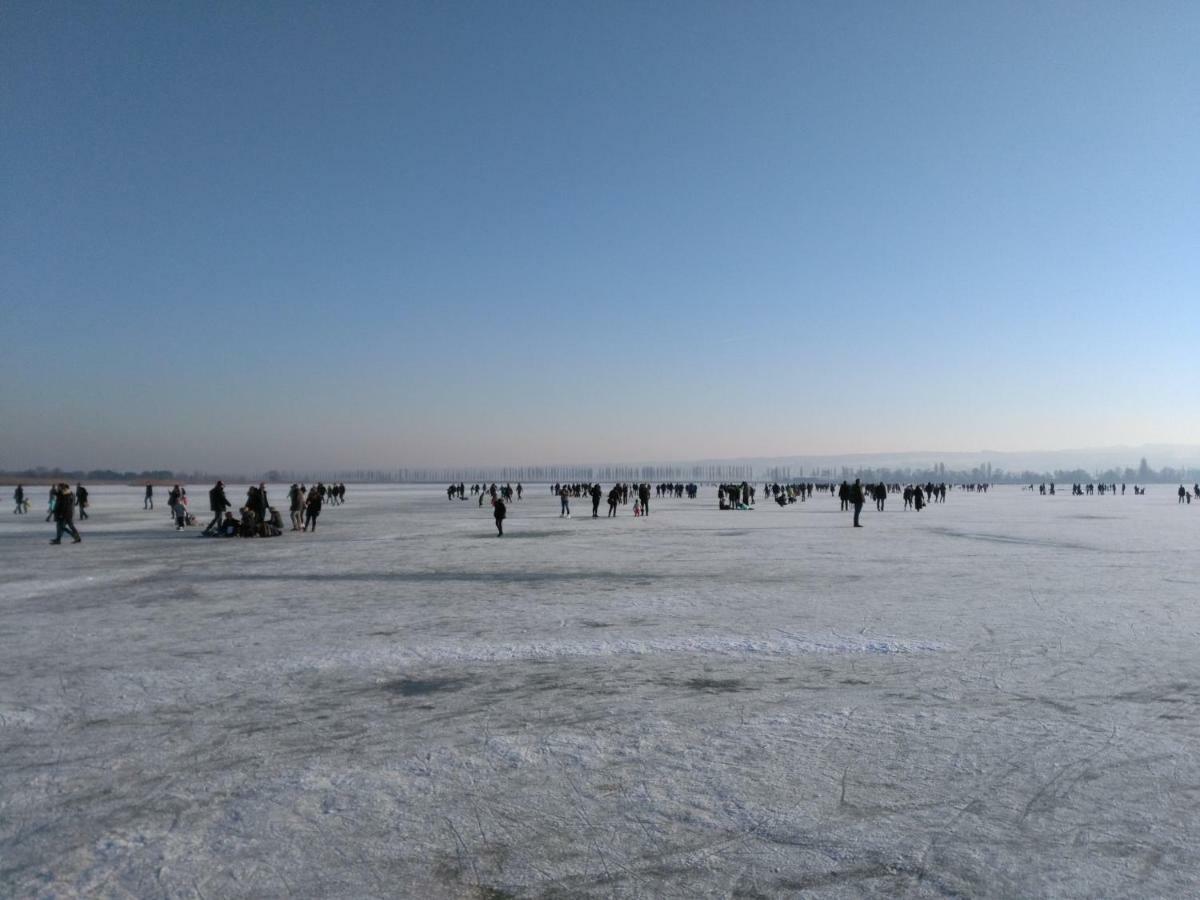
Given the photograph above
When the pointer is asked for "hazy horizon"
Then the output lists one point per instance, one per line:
(245, 238)
(1094, 458)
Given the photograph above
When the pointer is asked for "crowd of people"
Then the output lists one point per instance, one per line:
(258, 518)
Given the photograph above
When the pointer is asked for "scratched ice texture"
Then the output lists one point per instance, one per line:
(994, 697)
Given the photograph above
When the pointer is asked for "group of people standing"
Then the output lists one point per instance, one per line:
(618, 495)
(61, 506)
(260, 519)
(460, 491)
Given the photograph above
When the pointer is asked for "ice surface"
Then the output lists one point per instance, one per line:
(993, 697)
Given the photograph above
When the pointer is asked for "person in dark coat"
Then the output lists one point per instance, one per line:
(19, 497)
(296, 506)
(857, 499)
(500, 511)
(312, 509)
(644, 496)
(148, 502)
(81, 498)
(264, 504)
(597, 493)
(218, 503)
(64, 515)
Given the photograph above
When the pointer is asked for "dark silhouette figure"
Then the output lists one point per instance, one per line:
(218, 503)
(857, 499)
(64, 515)
(312, 509)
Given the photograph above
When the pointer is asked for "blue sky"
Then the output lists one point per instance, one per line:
(282, 234)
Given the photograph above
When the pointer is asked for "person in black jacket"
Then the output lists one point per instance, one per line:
(81, 498)
(312, 508)
(218, 503)
(64, 514)
(857, 499)
(19, 497)
(264, 504)
(148, 503)
(597, 493)
(500, 511)
(644, 496)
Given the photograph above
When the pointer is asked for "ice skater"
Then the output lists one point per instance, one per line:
(64, 515)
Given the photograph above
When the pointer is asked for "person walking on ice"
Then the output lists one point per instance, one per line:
(500, 511)
(217, 504)
(857, 500)
(19, 497)
(296, 504)
(64, 515)
(565, 496)
(312, 509)
(148, 501)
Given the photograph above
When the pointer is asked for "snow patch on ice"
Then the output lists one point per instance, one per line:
(724, 645)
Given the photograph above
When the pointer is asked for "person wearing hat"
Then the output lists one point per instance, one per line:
(218, 503)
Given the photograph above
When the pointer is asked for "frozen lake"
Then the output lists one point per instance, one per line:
(994, 697)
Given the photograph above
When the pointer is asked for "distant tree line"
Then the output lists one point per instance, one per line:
(533, 474)
(712, 474)
(1143, 474)
(737, 472)
(42, 473)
